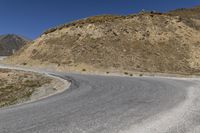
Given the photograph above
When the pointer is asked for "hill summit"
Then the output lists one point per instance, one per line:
(144, 42)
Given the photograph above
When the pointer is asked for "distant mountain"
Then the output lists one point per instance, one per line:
(10, 43)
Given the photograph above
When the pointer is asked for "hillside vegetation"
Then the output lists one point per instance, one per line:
(18, 86)
(145, 42)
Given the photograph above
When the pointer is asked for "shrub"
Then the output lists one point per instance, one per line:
(126, 73)
(24, 63)
(138, 66)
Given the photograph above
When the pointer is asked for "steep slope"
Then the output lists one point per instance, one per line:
(147, 42)
(10, 43)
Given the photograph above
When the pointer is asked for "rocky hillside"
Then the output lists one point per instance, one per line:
(10, 43)
(144, 42)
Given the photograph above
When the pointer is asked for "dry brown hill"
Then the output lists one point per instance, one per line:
(146, 42)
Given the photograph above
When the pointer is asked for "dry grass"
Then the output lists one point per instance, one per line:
(188, 16)
(187, 13)
(17, 86)
(90, 20)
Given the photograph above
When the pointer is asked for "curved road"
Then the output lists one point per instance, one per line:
(102, 104)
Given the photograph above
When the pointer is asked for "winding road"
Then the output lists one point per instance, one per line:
(110, 104)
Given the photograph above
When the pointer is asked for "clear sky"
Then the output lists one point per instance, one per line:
(31, 17)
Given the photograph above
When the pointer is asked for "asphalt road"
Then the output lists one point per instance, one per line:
(103, 104)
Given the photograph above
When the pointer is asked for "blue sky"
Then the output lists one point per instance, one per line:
(31, 17)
